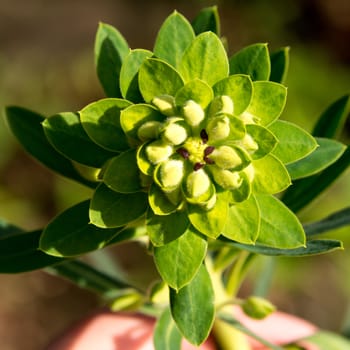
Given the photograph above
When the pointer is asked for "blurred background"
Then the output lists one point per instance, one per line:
(46, 64)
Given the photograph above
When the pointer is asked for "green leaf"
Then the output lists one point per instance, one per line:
(19, 251)
(270, 175)
(325, 340)
(110, 50)
(314, 247)
(293, 144)
(252, 60)
(136, 115)
(156, 78)
(265, 139)
(196, 90)
(101, 121)
(279, 65)
(122, 174)
(193, 307)
(71, 233)
(243, 221)
(268, 101)
(326, 154)
(332, 120)
(210, 222)
(207, 20)
(336, 220)
(27, 127)
(239, 88)
(163, 229)
(179, 260)
(66, 134)
(110, 209)
(174, 36)
(279, 227)
(166, 336)
(205, 59)
(159, 202)
(129, 74)
(306, 190)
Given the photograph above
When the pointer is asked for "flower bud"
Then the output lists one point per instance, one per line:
(249, 118)
(218, 128)
(165, 104)
(175, 131)
(250, 172)
(158, 151)
(197, 183)
(226, 179)
(226, 157)
(257, 307)
(193, 113)
(222, 104)
(171, 173)
(149, 130)
(249, 144)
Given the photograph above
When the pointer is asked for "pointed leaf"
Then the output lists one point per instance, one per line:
(193, 307)
(122, 174)
(27, 127)
(279, 227)
(239, 88)
(65, 133)
(268, 101)
(252, 60)
(270, 175)
(293, 144)
(156, 78)
(207, 20)
(19, 251)
(166, 336)
(112, 209)
(179, 260)
(205, 59)
(163, 229)
(174, 36)
(129, 74)
(279, 65)
(101, 121)
(326, 154)
(243, 221)
(196, 90)
(110, 50)
(210, 222)
(333, 118)
(134, 116)
(71, 233)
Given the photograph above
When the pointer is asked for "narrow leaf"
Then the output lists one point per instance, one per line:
(27, 127)
(207, 20)
(110, 209)
(110, 51)
(66, 134)
(174, 36)
(279, 227)
(252, 60)
(193, 307)
(71, 233)
(332, 120)
(101, 121)
(279, 65)
(205, 59)
(129, 74)
(166, 336)
(326, 154)
(179, 260)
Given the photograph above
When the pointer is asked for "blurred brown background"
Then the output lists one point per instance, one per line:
(46, 64)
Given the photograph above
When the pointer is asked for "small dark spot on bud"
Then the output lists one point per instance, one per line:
(198, 166)
(208, 160)
(183, 152)
(209, 150)
(204, 136)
